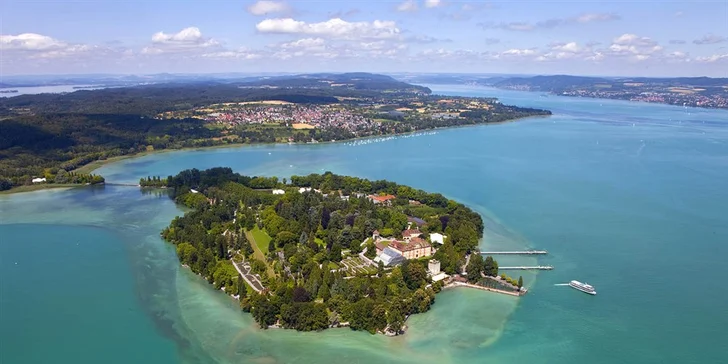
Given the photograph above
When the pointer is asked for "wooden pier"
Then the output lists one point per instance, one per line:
(523, 252)
(537, 267)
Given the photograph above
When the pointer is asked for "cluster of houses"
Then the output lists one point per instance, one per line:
(390, 251)
(412, 246)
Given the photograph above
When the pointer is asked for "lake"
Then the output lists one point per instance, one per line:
(55, 89)
(629, 197)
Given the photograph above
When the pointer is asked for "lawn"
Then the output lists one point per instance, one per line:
(256, 236)
(261, 239)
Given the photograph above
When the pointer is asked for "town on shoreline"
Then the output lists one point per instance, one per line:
(57, 135)
(323, 251)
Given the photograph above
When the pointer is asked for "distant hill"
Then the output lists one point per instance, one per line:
(550, 83)
(562, 82)
(352, 81)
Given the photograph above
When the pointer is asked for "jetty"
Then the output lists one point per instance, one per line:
(521, 252)
(483, 288)
(535, 267)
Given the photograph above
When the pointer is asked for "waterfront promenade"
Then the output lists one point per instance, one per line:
(489, 289)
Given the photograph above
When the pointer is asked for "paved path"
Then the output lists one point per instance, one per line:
(253, 279)
(462, 284)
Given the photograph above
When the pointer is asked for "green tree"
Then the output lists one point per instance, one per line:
(371, 250)
(395, 319)
(335, 253)
(414, 274)
(242, 289)
(187, 253)
(323, 292)
(520, 281)
(490, 267)
(475, 267)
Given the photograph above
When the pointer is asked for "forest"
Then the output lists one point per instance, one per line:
(311, 233)
(46, 133)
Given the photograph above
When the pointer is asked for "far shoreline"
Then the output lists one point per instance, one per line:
(94, 165)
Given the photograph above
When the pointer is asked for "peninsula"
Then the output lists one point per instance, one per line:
(323, 251)
(45, 135)
(705, 92)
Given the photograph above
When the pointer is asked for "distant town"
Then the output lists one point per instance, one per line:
(68, 131)
(682, 91)
(282, 121)
(645, 92)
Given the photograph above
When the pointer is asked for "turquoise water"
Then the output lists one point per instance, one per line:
(629, 197)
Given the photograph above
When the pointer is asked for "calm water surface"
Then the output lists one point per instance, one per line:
(629, 197)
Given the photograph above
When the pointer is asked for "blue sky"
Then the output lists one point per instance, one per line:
(617, 38)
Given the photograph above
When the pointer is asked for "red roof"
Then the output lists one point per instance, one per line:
(415, 243)
(382, 198)
(380, 245)
(411, 233)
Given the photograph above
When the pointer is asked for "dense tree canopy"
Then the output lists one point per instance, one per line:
(308, 231)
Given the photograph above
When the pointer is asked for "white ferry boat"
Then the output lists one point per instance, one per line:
(583, 287)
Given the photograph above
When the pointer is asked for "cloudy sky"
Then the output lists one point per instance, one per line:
(584, 37)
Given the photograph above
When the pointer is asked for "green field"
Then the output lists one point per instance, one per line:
(261, 239)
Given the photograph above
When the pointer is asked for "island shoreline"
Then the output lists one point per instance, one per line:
(94, 165)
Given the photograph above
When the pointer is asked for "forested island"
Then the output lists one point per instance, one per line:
(322, 251)
(49, 133)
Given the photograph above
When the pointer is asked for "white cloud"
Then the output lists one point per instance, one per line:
(305, 43)
(713, 58)
(264, 7)
(447, 54)
(570, 47)
(186, 40)
(637, 48)
(407, 5)
(519, 52)
(242, 53)
(316, 48)
(39, 46)
(634, 40)
(29, 41)
(633, 45)
(333, 28)
(186, 35)
(678, 56)
(432, 3)
(570, 50)
(595, 57)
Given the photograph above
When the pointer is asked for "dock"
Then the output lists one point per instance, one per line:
(522, 252)
(536, 267)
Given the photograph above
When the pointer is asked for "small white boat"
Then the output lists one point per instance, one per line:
(583, 287)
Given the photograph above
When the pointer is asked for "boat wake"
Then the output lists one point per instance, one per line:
(561, 284)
